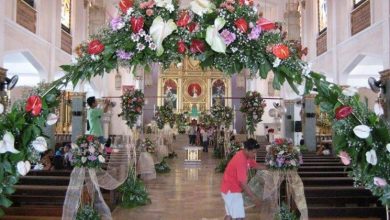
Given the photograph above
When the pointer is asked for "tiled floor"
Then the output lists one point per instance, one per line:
(186, 193)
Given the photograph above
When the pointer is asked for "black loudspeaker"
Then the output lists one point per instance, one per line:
(297, 126)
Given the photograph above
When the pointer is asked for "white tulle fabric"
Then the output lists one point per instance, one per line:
(94, 179)
(161, 149)
(146, 166)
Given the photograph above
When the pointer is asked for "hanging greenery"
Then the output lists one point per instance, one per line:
(163, 115)
(181, 123)
(252, 105)
(87, 212)
(133, 192)
(132, 104)
(222, 115)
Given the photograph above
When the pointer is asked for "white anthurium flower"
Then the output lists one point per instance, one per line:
(51, 119)
(160, 30)
(201, 7)
(350, 91)
(163, 3)
(74, 146)
(292, 162)
(306, 68)
(281, 152)
(83, 159)
(23, 167)
(277, 62)
(268, 148)
(40, 144)
(91, 149)
(388, 147)
(362, 131)
(101, 159)
(8, 143)
(74, 59)
(1, 108)
(371, 157)
(213, 38)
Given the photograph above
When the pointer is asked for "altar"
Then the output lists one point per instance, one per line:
(192, 154)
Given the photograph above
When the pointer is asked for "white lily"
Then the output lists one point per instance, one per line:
(51, 119)
(350, 91)
(371, 157)
(40, 144)
(1, 108)
(213, 38)
(23, 167)
(101, 159)
(74, 146)
(277, 62)
(83, 159)
(388, 147)
(362, 131)
(163, 3)
(160, 30)
(201, 7)
(8, 143)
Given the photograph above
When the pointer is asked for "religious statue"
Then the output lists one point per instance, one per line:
(170, 97)
(194, 112)
(194, 90)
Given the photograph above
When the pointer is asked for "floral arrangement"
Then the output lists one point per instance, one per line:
(149, 146)
(132, 104)
(163, 115)
(362, 139)
(156, 31)
(133, 191)
(222, 114)
(22, 138)
(252, 105)
(285, 213)
(207, 119)
(282, 155)
(181, 123)
(87, 152)
(162, 167)
(87, 212)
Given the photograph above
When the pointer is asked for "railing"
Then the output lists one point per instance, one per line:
(26, 16)
(360, 18)
(66, 42)
(321, 43)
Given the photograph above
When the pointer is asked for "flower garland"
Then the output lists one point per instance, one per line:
(222, 114)
(362, 140)
(253, 106)
(163, 115)
(282, 155)
(132, 104)
(87, 152)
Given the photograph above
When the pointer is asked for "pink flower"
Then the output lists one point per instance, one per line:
(380, 182)
(345, 158)
(149, 12)
(228, 37)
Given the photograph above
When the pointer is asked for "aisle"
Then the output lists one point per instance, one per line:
(187, 192)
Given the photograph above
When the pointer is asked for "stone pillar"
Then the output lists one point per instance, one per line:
(289, 119)
(78, 115)
(385, 79)
(309, 126)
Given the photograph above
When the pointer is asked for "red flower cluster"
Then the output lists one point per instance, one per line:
(281, 51)
(265, 24)
(343, 112)
(90, 138)
(197, 46)
(137, 24)
(95, 47)
(34, 105)
(184, 19)
(181, 47)
(241, 24)
(124, 5)
(279, 141)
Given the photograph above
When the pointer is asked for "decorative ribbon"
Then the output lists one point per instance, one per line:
(266, 185)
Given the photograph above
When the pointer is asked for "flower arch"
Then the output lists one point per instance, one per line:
(229, 36)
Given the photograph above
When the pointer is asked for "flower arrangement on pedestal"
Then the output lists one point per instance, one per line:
(149, 146)
(252, 105)
(283, 155)
(163, 115)
(87, 152)
(132, 104)
(222, 115)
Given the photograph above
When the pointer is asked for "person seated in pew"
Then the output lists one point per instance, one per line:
(68, 157)
(324, 149)
(58, 160)
(46, 160)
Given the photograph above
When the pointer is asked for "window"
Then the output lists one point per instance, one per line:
(30, 2)
(66, 15)
(356, 3)
(322, 16)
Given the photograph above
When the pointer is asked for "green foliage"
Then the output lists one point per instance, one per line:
(162, 167)
(224, 162)
(285, 213)
(252, 105)
(222, 115)
(87, 212)
(133, 192)
(181, 123)
(163, 115)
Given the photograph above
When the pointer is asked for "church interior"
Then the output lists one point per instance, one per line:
(153, 143)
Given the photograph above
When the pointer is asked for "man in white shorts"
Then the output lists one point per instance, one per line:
(235, 180)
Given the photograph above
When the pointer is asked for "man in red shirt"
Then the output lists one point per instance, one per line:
(235, 180)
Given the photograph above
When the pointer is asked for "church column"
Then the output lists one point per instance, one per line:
(289, 119)
(386, 34)
(2, 32)
(385, 79)
(309, 130)
(78, 115)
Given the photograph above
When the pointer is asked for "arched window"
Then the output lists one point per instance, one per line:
(322, 16)
(30, 2)
(356, 3)
(66, 11)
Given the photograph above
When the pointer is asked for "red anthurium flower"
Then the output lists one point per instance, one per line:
(279, 141)
(184, 19)
(281, 51)
(124, 5)
(343, 112)
(241, 2)
(138, 109)
(95, 47)
(181, 47)
(137, 24)
(90, 138)
(34, 105)
(197, 46)
(241, 25)
(192, 27)
(265, 24)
